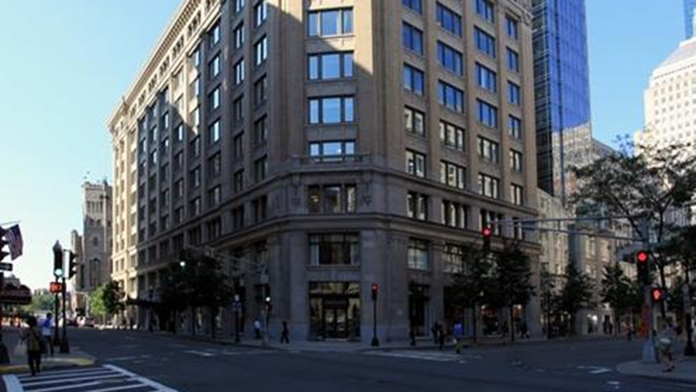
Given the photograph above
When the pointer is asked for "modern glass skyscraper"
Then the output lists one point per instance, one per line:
(689, 8)
(562, 89)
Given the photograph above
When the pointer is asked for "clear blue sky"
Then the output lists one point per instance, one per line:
(66, 63)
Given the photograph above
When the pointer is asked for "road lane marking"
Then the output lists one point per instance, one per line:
(97, 372)
(64, 372)
(121, 388)
(200, 353)
(154, 384)
(129, 358)
(33, 383)
(64, 387)
(12, 383)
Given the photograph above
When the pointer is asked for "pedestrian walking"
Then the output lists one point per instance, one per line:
(46, 327)
(257, 329)
(440, 337)
(458, 332)
(285, 334)
(32, 337)
(665, 341)
(435, 329)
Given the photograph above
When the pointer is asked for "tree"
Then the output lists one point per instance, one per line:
(616, 291)
(174, 296)
(647, 185)
(472, 282)
(512, 281)
(106, 300)
(549, 299)
(576, 293)
(40, 303)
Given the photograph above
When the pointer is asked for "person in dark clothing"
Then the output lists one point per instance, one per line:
(285, 335)
(440, 336)
(32, 336)
(435, 329)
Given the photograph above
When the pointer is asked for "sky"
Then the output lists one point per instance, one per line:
(64, 65)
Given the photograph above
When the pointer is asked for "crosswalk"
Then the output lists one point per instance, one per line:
(436, 356)
(106, 378)
(210, 353)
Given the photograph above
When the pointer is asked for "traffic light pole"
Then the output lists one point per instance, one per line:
(64, 346)
(56, 338)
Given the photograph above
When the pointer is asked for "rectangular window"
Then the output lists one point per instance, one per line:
(449, 20)
(214, 99)
(512, 28)
(179, 161)
(260, 89)
(214, 35)
(489, 150)
(195, 147)
(450, 58)
(260, 51)
(238, 71)
(415, 121)
(332, 151)
(260, 207)
(484, 42)
(260, 13)
(414, 5)
(238, 109)
(513, 60)
(516, 161)
(417, 206)
(260, 131)
(487, 114)
(516, 194)
(414, 80)
(214, 196)
(452, 175)
(329, 66)
(260, 169)
(238, 146)
(238, 218)
(450, 96)
(196, 86)
(452, 136)
(486, 78)
(415, 163)
(195, 207)
(331, 110)
(515, 127)
(238, 181)
(238, 36)
(330, 22)
(214, 132)
(489, 186)
(331, 199)
(178, 190)
(196, 57)
(412, 38)
(334, 249)
(454, 214)
(195, 177)
(514, 96)
(179, 133)
(238, 6)
(485, 10)
(418, 254)
(214, 66)
(196, 117)
(486, 219)
(214, 165)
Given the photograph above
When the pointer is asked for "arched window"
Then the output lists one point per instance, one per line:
(95, 241)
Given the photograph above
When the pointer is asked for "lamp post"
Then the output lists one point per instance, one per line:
(375, 292)
(236, 308)
(57, 273)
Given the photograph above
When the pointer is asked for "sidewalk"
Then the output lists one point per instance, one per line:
(685, 370)
(18, 355)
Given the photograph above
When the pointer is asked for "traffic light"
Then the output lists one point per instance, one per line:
(72, 265)
(57, 261)
(269, 306)
(56, 287)
(375, 291)
(3, 242)
(642, 258)
(658, 294)
(487, 233)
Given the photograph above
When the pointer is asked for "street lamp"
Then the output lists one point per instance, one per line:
(375, 292)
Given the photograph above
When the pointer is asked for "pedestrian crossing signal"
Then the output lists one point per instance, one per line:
(658, 294)
(56, 287)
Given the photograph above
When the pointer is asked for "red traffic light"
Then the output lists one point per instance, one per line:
(375, 290)
(487, 232)
(658, 294)
(642, 256)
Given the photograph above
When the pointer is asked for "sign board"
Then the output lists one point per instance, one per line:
(56, 287)
(5, 267)
(236, 306)
(15, 295)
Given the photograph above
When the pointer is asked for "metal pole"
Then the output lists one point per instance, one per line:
(375, 340)
(56, 316)
(648, 355)
(689, 349)
(4, 355)
(236, 326)
(64, 346)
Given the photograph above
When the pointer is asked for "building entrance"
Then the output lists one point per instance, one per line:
(334, 310)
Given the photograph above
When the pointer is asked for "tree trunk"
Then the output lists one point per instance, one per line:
(512, 324)
(663, 283)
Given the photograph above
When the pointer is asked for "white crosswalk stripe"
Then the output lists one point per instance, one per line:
(209, 353)
(106, 378)
(422, 355)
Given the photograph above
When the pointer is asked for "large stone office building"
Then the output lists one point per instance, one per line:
(335, 144)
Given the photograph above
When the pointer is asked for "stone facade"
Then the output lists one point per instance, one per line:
(333, 163)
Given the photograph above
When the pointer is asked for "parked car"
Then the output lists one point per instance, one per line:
(85, 322)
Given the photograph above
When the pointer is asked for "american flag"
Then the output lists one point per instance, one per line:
(15, 241)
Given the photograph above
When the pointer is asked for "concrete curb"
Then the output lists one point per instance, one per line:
(654, 371)
(61, 363)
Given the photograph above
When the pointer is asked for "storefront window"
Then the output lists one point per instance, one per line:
(334, 310)
(334, 249)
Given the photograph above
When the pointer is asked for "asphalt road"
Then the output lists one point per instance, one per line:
(191, 366)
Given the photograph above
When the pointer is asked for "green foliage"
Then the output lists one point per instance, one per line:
(576, 293)
(107, 300)
(96, 302)
(512, 278)
(472, 283)
(42, 303)
(616, 291)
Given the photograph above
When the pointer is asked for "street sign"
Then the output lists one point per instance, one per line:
(15, 295)
(5, 267)
(236, 306)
